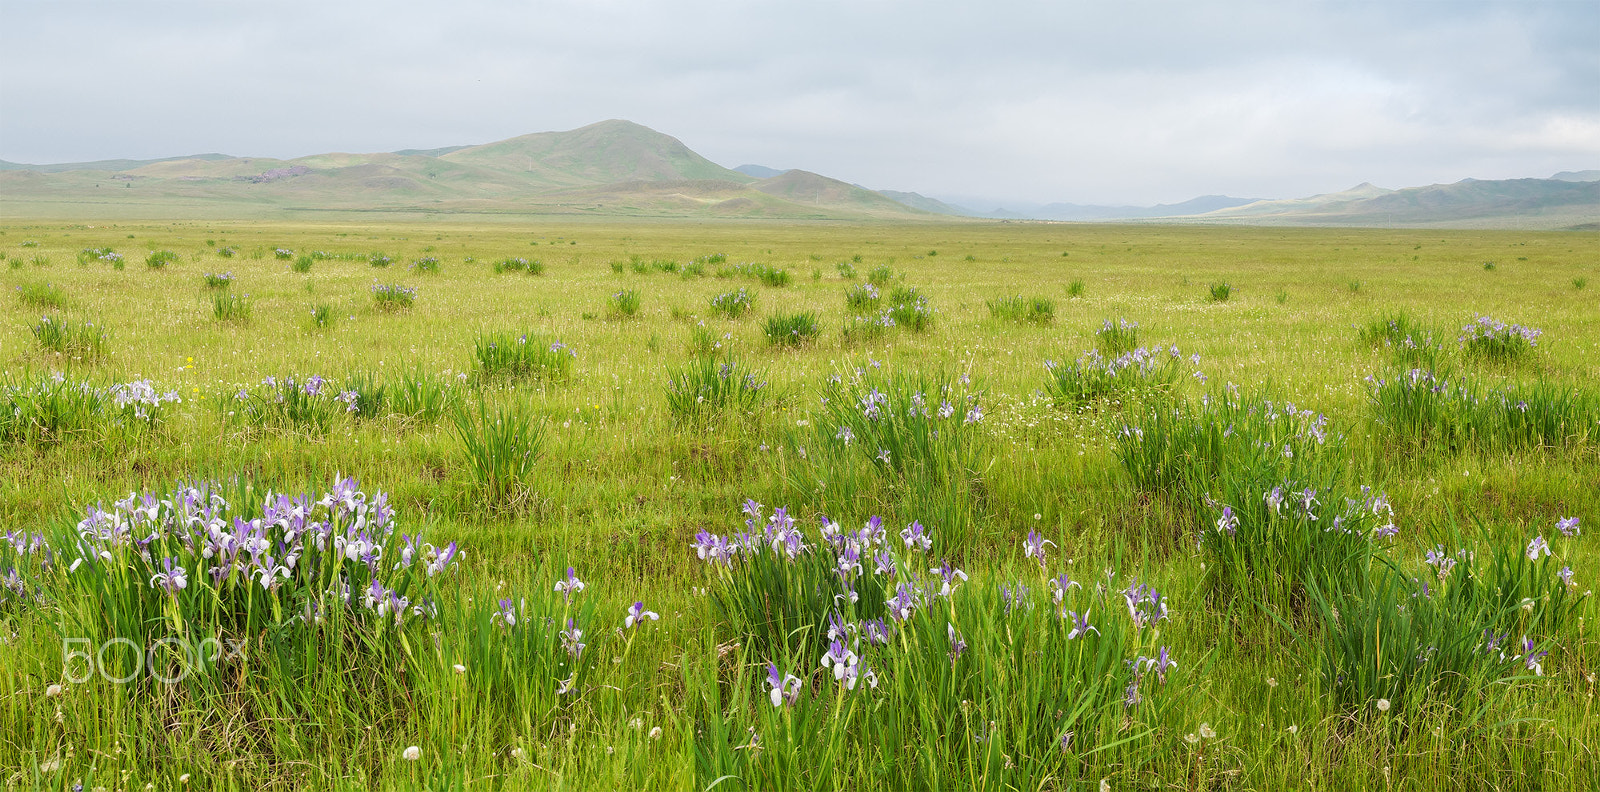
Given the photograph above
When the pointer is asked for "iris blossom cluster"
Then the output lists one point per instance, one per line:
(303, 557)
(1493, 336)
(920, 609)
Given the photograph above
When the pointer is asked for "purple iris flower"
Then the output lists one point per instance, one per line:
(839, 659)
(875, 631)
(572, 639)
(1568, 526)
(1080, 625)
(570, 586)
(1530, 657)
(1228, 523)
(958, 645)
(506, 614)
(784, 688)
(916, 537)
(172, 578)
(637, 614)
(883, 562)
(903, 602)
(1033, 547)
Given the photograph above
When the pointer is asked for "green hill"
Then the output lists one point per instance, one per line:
(613, 167)
(1507, 203)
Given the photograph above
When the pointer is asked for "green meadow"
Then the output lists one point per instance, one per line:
(1158, 507)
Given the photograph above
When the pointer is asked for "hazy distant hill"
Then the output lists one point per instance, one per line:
(612, 167)
(759, 171)
(1583, 175)
(1508, 203)
(621, 168)
(103, 165)
(927, 204)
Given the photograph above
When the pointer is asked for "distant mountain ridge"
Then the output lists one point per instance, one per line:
(609, 168)
(621, 168)
(1510, 203)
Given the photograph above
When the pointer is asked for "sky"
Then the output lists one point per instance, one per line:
(1111, 102)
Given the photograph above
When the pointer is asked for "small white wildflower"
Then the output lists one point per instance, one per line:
(655, 732)
(1383, 705)
(1207, 732)
(412, 753)
(460, 669)
(52, 691)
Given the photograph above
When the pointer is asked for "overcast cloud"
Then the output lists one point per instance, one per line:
(1118, 101)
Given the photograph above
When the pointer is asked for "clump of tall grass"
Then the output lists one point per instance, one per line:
(880, 275)
(1579, 283)
(502, 448)
(311, 405)
(863, 297)
(1495, 340)
(302, 264)
(767, 274)
(217, 575)
(1035, 310)
(322, 316)
(85, 341)
(159, 259)
(703, 342)
(733, 304)
(283, 254)
(846, 270)
(216, 280)
(229, 307)
(1054, 669)
(1075, 288)
(624, 304)
(41, 295)
(708, 388)
(865, 329)
(366, 396)
(420, 396)
(427, 265)
(913, 440)
(1096, 378)
(227, 252)
(1446, 635)
(104, 255)
(1221, 292)
(792, 329)
(379, 260)
(508, 356)
(1117, 338)
(1420, 407)
(1184, 449)
(1265, 487)
(534, 267)
(47, 409)
(910, 310)
(393, 297)
(1407, 339)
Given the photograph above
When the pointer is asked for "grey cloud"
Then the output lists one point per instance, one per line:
(1080, 101)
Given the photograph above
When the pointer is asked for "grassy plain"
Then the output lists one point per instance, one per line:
(621, 487)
